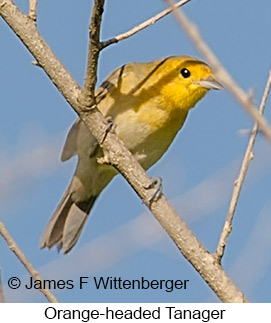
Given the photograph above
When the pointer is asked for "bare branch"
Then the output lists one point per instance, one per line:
(32, 14)
(194, 34)
(93, 54)
(143, 25)
(19, 254)
(122, 159)
(240, 179)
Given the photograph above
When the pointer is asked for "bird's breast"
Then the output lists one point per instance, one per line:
(148, 132)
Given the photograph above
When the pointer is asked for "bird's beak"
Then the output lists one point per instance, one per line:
(210, 83)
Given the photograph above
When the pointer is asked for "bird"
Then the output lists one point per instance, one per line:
(148, 104)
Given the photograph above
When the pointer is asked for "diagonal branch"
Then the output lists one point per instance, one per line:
(240, 179)
(19, 254)
(194, 34)
(143, 25)
(121, 158)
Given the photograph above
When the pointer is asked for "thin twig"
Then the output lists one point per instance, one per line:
(194, 34)
(143, 25)
(32, 14)
(93, 54)
(87, 98)
(2, 295)
(240, 179)
(28, 266)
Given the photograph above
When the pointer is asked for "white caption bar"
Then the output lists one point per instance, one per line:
(151, 312)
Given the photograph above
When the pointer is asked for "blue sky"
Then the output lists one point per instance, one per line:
(121, 238)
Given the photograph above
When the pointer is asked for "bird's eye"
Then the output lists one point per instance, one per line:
(185, 73)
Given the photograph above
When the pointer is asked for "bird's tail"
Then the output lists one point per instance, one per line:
(66, 224)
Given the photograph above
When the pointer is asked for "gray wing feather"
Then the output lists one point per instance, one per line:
(70, 146)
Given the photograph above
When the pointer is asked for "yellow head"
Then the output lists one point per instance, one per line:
(184, 80)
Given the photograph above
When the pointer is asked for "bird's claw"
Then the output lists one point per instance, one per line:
(110, 126)
(156, 184)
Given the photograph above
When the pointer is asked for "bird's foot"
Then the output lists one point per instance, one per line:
(156, 184)
(110, 126)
